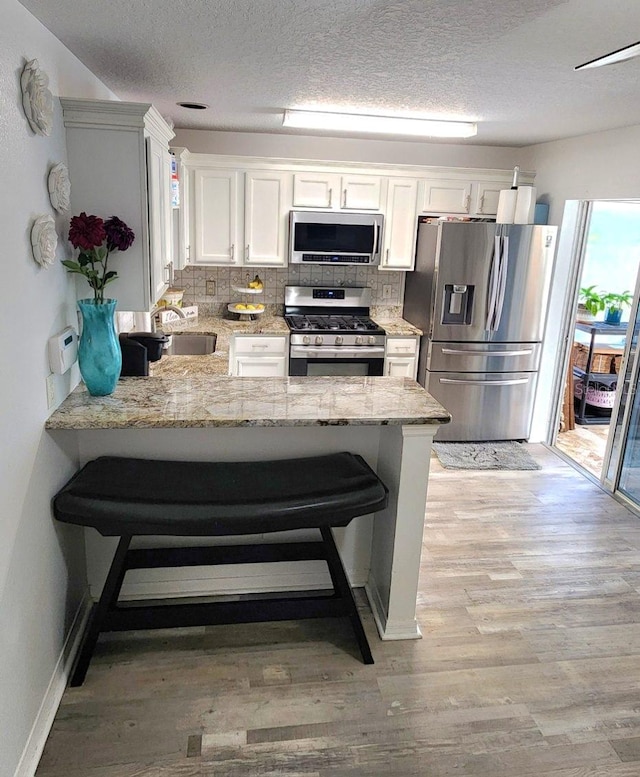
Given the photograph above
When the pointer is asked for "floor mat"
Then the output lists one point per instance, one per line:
(484, 455)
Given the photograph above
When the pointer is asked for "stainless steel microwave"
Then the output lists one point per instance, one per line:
(329, 237)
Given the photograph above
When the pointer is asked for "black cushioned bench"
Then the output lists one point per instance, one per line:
(129, 497)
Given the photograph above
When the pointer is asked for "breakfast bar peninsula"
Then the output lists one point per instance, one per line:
(391, 422)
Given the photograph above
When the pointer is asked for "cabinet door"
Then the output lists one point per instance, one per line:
(486, 196)
(399, 367)
(398, 248)
(445, 196)
(259, 366)
(361, 192)
(216, 214)
(159, 182)
(316, 190)
(266, 213)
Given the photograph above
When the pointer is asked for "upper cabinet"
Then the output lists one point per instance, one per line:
(267, 202)
(459, 197)
(333, 191)
(119, 165)
(216, 216)
(239, 218)
(399, 242)
(445, 196)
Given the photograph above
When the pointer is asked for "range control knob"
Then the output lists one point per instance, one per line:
(358, 339)
(372, 340)
(306, 340)
(318, 339)
(339, 340)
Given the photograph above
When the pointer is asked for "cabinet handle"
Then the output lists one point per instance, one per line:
(344, 199)
(467, 203)
(246, 253)
(188, 252)
(259, 346)
(233, 252)
(386, 256)
(330, 197)
(481, 208)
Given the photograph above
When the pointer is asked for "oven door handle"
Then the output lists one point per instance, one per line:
(305, 350)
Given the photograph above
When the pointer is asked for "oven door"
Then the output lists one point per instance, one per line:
(307, 360)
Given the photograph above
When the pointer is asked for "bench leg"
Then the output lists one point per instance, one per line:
(108, 599)
(343, 589)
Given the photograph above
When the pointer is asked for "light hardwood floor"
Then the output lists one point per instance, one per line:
(529, 665)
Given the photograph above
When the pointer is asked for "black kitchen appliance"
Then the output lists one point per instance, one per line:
(140, 348)
(331, 332)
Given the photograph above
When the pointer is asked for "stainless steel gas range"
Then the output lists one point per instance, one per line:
(331, 332)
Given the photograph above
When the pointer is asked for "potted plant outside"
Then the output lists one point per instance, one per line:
(591, 302)
(614, 304)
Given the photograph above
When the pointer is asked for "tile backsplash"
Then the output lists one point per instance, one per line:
(196, 281)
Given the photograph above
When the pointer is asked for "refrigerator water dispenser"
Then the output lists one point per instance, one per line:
(458, 303)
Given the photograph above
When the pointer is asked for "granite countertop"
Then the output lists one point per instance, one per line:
(216, 363)
(223, 401)
(265, 324)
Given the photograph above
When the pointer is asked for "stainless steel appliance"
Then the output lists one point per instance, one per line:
(479, 292)
(331, 332)
(330, 237)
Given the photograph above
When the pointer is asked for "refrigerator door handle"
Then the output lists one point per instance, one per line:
(524, 352)
(513, 382)
(502, 285)
(492, 292)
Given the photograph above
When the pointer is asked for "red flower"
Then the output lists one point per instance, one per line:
(119, 236)
(86, 232)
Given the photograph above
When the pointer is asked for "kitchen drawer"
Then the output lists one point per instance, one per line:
(265, 344)
(402, 346)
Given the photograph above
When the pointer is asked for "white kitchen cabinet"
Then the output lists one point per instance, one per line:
(258, 356)
(401, 357)
(216, 230)
(334, 191)
(485, 197)
(266, 210)
(399, 242)
(180, 215)
(119, 165)
(444, 196)
(240, 218)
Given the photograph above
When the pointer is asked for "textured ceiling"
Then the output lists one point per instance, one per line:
(506, 63)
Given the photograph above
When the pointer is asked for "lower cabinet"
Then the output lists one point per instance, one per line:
(401, 357)
(258, 356)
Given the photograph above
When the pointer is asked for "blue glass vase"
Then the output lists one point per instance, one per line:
(613, 316)
(99, 354)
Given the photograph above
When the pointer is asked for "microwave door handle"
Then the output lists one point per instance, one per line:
(376, 239)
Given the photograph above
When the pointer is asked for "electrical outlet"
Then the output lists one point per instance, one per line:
(51, 391)
(387, 291)
(210, 288)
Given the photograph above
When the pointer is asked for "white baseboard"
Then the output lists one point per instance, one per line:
(44, 719)
(389, 629)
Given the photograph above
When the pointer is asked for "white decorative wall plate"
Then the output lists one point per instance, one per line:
(37, 100)
(59, 188)
(44, 240)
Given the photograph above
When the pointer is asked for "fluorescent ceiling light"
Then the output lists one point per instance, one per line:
(628, 52)
(388, 125)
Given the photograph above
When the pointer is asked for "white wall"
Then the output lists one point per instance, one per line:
(601, 166)
(41, 564)
(348, 149)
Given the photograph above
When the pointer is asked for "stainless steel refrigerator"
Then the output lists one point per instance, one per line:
(479, 292)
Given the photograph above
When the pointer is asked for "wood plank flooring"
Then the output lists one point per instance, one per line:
(529, 663)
